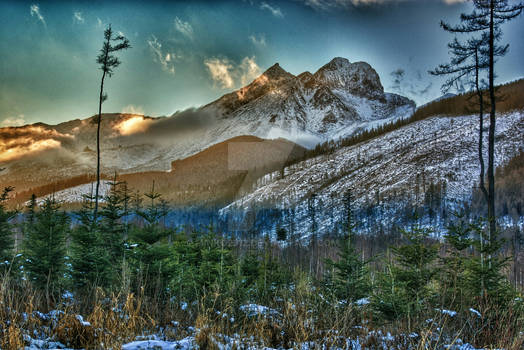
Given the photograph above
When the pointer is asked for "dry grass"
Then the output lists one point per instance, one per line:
(299, 316)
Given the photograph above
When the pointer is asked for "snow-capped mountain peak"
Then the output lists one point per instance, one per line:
(357, 78)
(338, 100)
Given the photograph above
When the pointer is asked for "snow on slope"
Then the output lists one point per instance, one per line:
(76, 194)
(438, 149)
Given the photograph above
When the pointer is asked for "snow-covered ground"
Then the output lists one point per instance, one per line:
(401, 163)
(76, 193)
(382, 340)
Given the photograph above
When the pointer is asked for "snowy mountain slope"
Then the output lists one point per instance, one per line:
(340, 99)
(76, 194)
(405, 161)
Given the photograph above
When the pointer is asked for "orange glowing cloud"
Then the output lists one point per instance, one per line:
(19, 151)
(133, 125)
(16, 142)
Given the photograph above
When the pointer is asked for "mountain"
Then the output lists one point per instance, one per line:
(405, 165)
(446, 96)
(219, 173)
(338, 100)
(216, 175)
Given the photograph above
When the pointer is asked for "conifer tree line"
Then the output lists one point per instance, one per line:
(129, 250)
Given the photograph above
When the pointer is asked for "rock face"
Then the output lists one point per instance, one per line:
(337, 100)
(358, 78)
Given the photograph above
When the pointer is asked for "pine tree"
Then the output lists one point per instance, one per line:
(90, 262)
(216, 268)
(6, 231)
(249, 268)
(485, 278)
(45, 249)
(390, 298)
(348, 278)
(467, 63)
(31, 208)
(151, 247)
(112, 227)
(405, 287)
(108, 62)
(459, 238)
(272, 275)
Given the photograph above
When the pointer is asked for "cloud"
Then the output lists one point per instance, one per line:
(183, 122)
(410, 83)
(184, 27)
(249, 70)
(228, 75)
(398, 78)
(166, 59)
(425, 90)
(21, 141)
(275, 10)
(162, 131)
(13, 121)
(133, 125)
(77, 17)
(259, 40)
(99, 23)
(219, 69)
(326, 5)
(35, 12)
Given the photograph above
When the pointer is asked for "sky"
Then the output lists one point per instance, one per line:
(188, 53)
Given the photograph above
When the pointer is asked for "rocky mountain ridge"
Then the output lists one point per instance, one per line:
(338, 100)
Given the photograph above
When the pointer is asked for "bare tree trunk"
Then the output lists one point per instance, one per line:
(481, 126)
(98, 144)
(481, 156)
(491, 136)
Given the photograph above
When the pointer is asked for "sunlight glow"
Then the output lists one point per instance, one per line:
(133, 125)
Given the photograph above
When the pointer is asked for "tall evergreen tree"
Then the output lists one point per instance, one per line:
(45, 249)
(488, 17)
(467, 62)
(108, 62)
